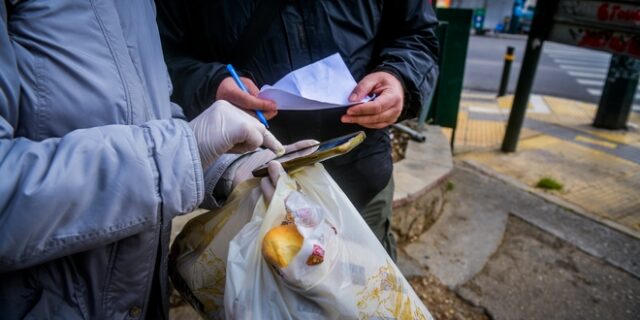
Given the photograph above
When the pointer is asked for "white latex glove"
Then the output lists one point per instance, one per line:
(224, 128)
(268, 183)
(249, 162)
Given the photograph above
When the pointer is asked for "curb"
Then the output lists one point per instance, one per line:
(426, 166)
(551, 198)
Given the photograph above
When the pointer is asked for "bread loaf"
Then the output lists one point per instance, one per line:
(281, 244)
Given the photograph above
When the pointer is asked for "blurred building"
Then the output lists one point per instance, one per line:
(513, 16)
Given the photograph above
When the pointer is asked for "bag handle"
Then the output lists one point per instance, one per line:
(263, 15)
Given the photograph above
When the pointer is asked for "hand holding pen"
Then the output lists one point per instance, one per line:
(242, 92)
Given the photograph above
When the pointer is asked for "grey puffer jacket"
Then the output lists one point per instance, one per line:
(94, 161)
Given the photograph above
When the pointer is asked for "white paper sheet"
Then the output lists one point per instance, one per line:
(324, 84)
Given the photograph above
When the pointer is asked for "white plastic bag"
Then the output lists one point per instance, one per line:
(356, 280)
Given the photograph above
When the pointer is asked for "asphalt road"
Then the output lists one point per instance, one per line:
(564, 71)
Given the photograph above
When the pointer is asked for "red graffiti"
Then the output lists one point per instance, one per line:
(608, 40)
(607, 12)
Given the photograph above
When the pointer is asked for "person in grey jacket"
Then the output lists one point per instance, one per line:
(95, 160)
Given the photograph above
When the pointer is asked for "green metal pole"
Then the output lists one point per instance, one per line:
(618, 93)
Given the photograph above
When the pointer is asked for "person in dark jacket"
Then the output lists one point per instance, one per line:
(389, 46)
(95, 161)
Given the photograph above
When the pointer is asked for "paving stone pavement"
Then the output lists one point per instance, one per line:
(599, 169)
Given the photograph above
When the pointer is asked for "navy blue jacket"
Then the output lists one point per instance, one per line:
(371, 35)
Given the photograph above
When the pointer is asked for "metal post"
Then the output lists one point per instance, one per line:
(506, 70)
(540, 29)
(413, 134)
(618, 93)
(523, 90)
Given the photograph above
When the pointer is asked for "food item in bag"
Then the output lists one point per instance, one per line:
(317, 255)
(303, 222)
(281, 244)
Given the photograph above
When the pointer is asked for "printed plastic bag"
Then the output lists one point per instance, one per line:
(356, 279)
(198, 256)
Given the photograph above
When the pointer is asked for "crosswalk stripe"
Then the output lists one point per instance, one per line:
(576, 68)
(581, 63)
(589, 82)
(636, 107)
(578, 57)
(551, 50)
(580, 52)
(587, 74)
(598, 92)
(539, 105)
(478, 95)
(596, 83)
(595, 92)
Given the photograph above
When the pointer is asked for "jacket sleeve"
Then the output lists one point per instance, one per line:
(408, 48)
(195, 81)
(90, 187)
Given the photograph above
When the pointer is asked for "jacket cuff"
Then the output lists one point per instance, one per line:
(180, 178)
(217, 180)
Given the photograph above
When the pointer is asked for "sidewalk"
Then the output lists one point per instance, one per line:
(599, 169)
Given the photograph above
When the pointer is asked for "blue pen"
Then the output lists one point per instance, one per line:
(235, 77)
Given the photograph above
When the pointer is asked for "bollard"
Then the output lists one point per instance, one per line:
(506, 70)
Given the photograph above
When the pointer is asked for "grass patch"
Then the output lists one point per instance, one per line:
(450, 186)
(548, 183)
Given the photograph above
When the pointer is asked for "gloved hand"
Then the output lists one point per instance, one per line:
(249, 162)
(224, 128)
(268, 183)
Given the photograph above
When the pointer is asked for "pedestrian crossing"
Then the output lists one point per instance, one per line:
(588, 67)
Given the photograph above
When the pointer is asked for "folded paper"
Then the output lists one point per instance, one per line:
(324, 84)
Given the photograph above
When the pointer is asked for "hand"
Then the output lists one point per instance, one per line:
(229, 90)
(268, 184)
(224, 128)
(251, 161)
(385, 109)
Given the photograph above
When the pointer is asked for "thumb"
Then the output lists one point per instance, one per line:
(364, 87)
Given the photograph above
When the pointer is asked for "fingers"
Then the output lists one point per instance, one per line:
(248, 83)
(246, 132)
(364, 87)
(248, 139)
(247, 101)
(382, 111)
(268, 184)
(270, 142)
(376, 121)
(229, 90)
(300, 145)
(275, 170)
(267, 189)
(270, 114)
(377, 106)
(253, 90)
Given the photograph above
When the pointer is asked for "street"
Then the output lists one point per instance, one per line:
(564, 71)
